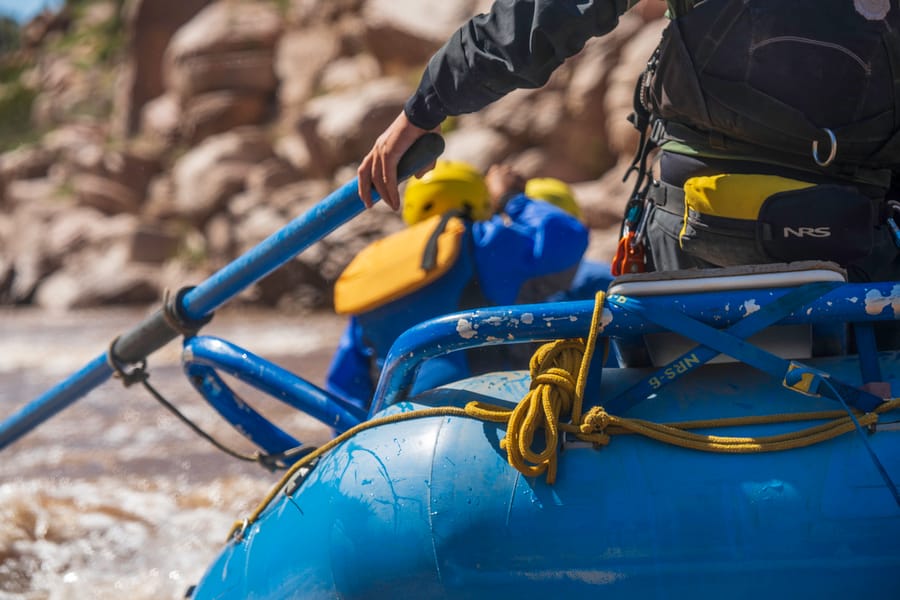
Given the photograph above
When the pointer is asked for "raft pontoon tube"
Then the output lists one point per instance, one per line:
(690, 475)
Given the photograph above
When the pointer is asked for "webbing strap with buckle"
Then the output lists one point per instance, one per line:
(667, 197)
(767, 315)
(726, 342)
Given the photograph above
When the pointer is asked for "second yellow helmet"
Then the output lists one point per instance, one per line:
(449, 185)
(554, 191)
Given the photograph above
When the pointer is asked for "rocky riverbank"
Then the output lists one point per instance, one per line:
(170, 136)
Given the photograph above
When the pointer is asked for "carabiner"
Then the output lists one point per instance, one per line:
(832, 152)
(629, 256)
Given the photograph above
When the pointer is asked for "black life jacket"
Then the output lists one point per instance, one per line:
(768, 79)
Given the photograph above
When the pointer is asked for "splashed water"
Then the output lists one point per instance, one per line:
(114, 497)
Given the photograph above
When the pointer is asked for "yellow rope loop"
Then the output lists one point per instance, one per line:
(558, 373)
(554, 382)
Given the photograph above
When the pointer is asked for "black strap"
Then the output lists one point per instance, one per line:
(429, 256)
(739, 150)
(667, 197)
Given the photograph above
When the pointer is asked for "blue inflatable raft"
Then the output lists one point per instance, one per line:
(728, 433)
(690, 474)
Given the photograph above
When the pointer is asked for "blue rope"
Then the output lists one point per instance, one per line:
(862, 434)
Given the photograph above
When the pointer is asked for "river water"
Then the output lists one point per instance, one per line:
(114, 497)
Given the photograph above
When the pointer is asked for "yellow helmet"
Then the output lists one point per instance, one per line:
(449, 185)
(555, 192)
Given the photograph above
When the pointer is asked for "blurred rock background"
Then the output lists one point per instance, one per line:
(147, 143)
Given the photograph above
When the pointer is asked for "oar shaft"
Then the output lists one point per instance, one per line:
(196, 304)
(336, 209)
(54, 400)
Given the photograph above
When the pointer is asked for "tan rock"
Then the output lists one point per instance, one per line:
(227, 26)
(152, 244)
(30, 191)
(106, 195)
(293, 149)
(237, 70)
(220, 243)
(27, 162)
(349, 73)
(160, 118)
(339, 128)
(304, 13)
(207, 176)
(300, 58)
(478, 147)
(407, 32)
(149, 26)
(96, 277)
(221, 111)
(270, 175)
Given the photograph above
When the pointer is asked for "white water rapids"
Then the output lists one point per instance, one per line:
(114, 497)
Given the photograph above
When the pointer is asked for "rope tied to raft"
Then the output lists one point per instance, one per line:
(554, 404)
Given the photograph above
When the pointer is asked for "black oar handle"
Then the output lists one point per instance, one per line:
(422, 153)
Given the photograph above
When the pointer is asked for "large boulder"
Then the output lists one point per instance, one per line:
(479, 147)
(210, 113)
(340, 128)
(161, 118)
(239, 70)
(149, 27)
(106, 195)
(228, 45)
(99, 276)
(407, 32)
(300, 59)
(26, 162)
(208, 175)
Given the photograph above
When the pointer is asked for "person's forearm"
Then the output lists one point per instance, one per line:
(517, 45)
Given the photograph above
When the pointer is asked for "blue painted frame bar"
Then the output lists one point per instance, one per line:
(270, 378)
(850, 303)
(252, 425)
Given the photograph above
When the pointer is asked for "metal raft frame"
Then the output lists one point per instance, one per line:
(699, 316)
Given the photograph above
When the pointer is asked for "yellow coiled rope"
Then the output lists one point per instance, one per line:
(558, 376)
(554, 404)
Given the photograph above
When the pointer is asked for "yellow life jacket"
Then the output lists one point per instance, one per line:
(399, 264)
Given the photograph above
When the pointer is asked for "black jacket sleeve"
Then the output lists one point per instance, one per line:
(518, 44)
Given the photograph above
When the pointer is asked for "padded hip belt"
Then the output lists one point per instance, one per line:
(781, 219)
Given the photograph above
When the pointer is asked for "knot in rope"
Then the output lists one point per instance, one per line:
(596, 420)
(558, 372)
(550, 400)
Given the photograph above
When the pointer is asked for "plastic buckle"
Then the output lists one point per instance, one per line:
(803, 379)
(657, 130)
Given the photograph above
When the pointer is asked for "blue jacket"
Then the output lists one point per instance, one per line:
(533, 239)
